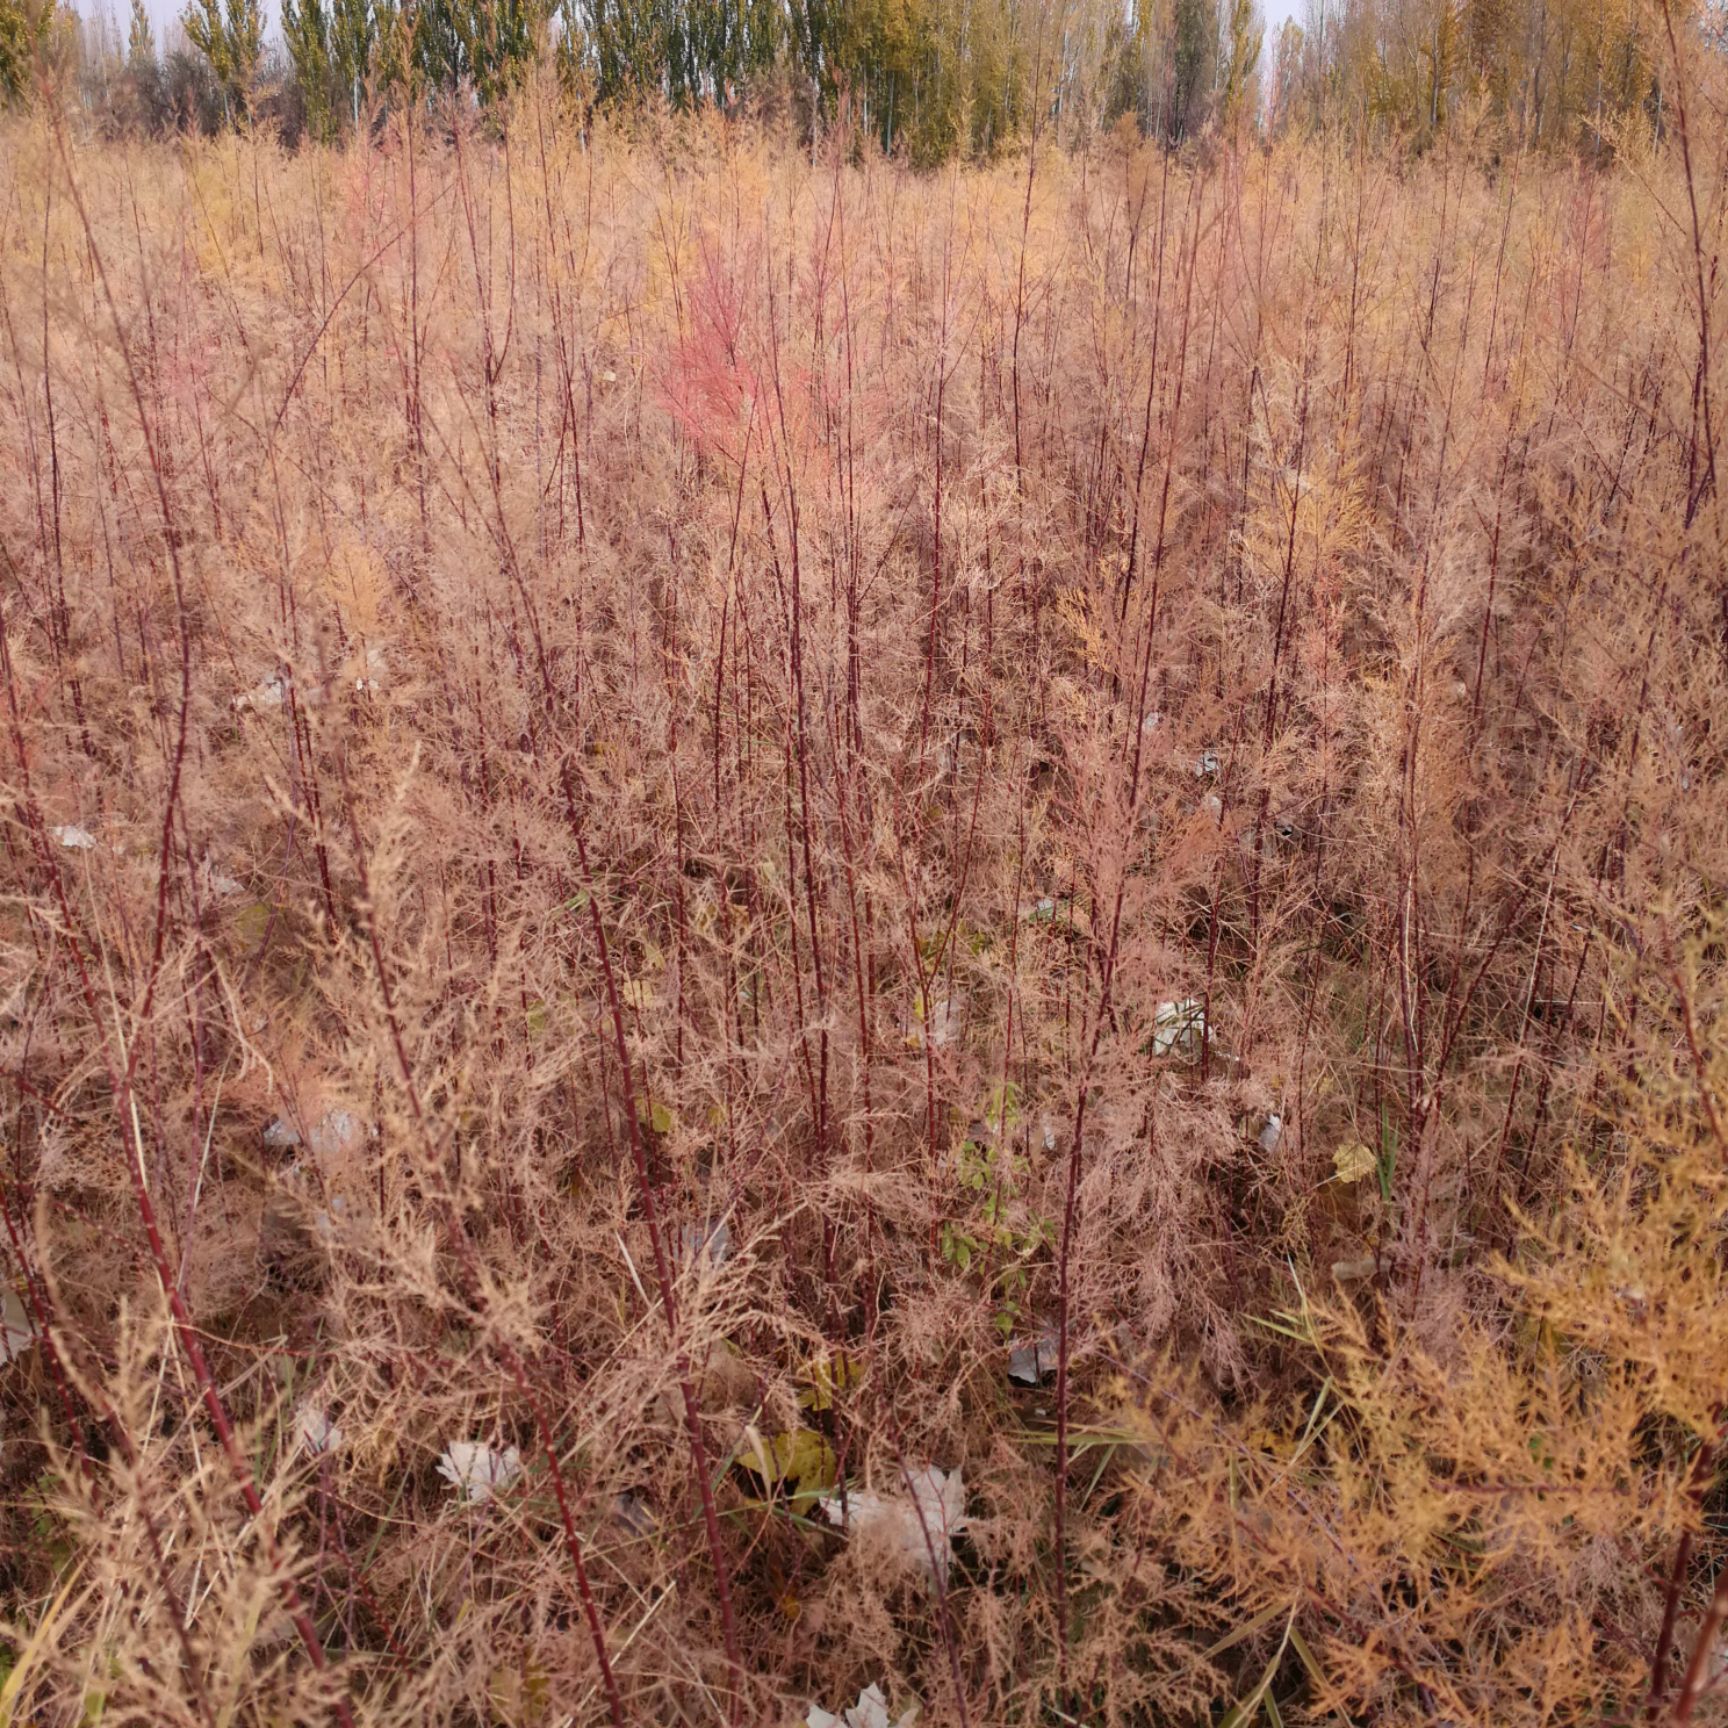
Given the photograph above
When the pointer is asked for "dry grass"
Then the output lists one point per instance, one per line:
(625, 688)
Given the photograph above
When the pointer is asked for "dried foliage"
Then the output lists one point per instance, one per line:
(665, 805)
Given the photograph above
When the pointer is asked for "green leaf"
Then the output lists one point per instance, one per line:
(1388, 1155)
(1002, 1108)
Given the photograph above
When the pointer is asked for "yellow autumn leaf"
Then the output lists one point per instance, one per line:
(802, 1458)
(824, 1377)
(520, 1694)
(1354, 1162)
(1269, 1440)
(251, 921)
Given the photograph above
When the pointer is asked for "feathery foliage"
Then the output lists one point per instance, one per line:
(776, 931)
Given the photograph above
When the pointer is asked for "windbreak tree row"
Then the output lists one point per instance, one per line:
(926, 79)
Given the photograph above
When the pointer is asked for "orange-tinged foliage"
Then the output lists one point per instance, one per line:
(662, 797)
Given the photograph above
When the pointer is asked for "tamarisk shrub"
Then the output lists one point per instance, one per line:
(688, 822)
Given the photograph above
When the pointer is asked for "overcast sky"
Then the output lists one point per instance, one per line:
(164, 12)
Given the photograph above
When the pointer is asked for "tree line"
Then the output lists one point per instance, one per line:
(926, 79)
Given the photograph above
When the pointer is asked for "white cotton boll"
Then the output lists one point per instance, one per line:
(73, 838)
(314, 1432)
(479, 1472)
(1272, 1133)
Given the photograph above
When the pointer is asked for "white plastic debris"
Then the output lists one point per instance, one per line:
(1677, 741)
(871, 1711)
(1212, 804)
(632, 1511)
(17, 1335)
(479, 1472)
(314, 1432)
(1272, 1133)
(1206, 765)
(941, 1021)
(1353, 1271)
(1152, 721)
(335, 1131)
(1030, 1359)
(269, 693)
(220, 883)
(1179, 1026)
(706, 1245)
(919, 1527)
(326, 1223)
(73, 838)
(374, 666)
